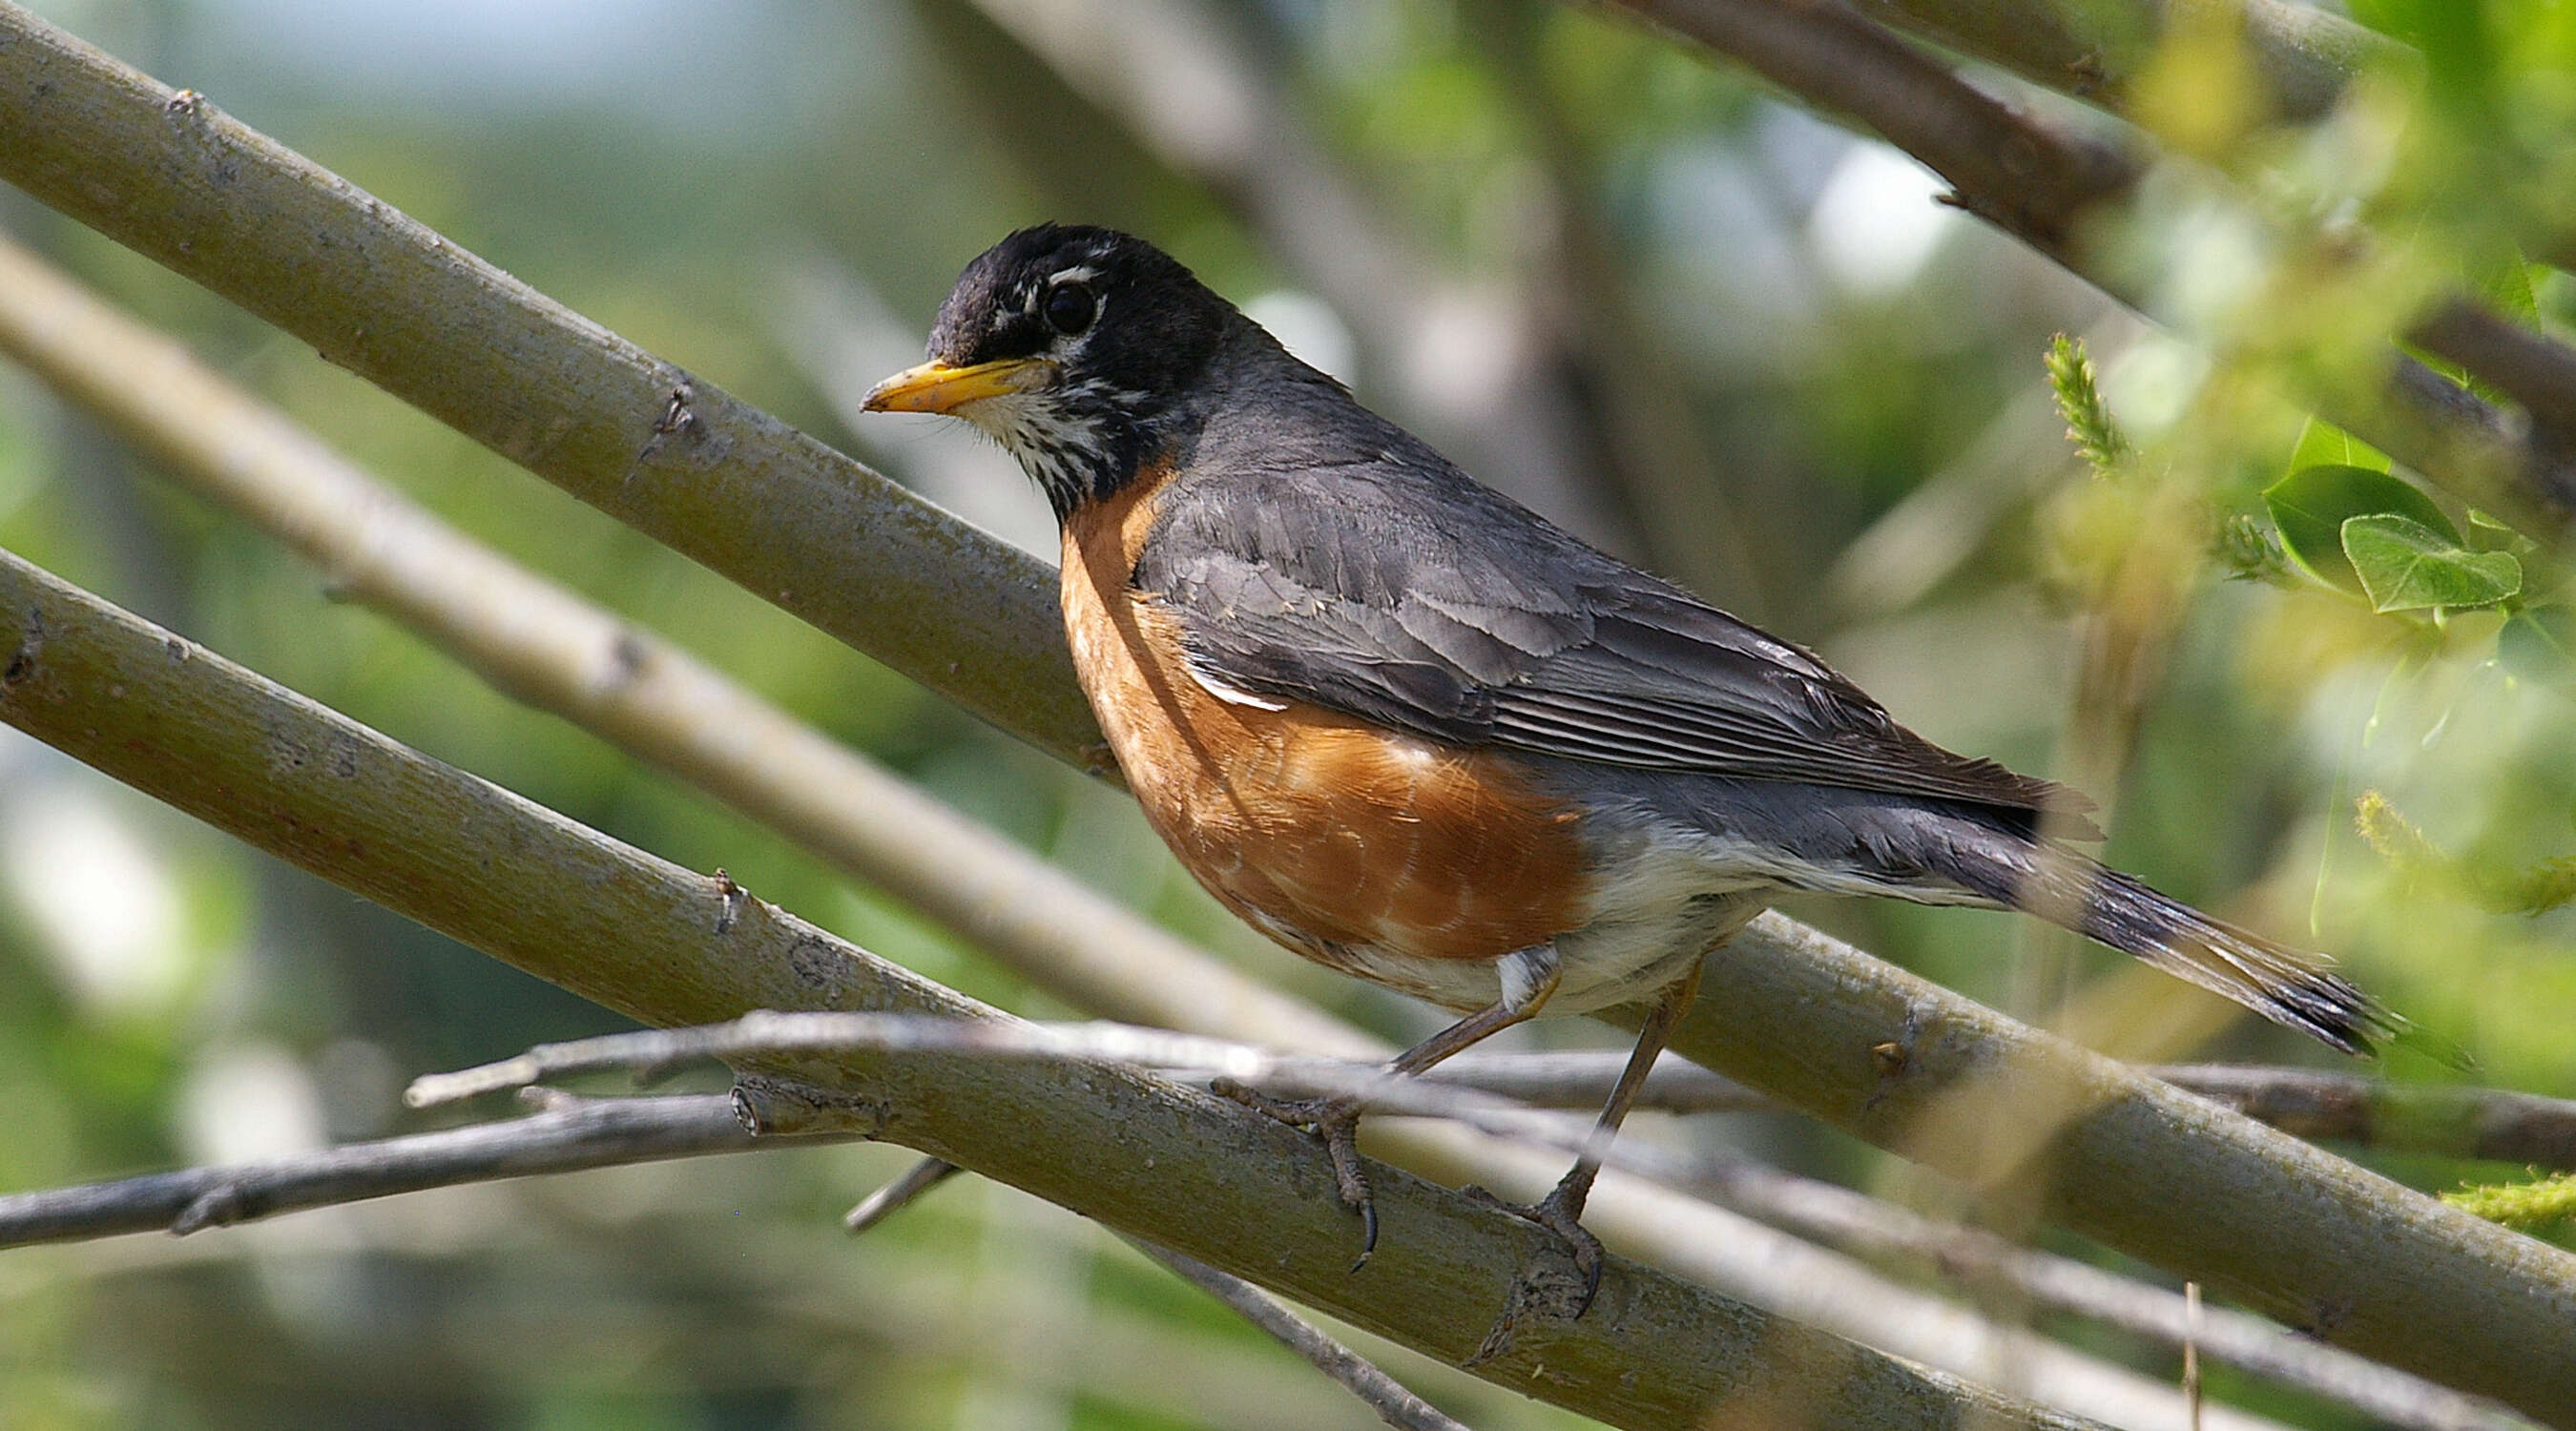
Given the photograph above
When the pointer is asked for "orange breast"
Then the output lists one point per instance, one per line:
(1324, 832)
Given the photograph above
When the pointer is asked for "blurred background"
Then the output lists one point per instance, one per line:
(1694, 322)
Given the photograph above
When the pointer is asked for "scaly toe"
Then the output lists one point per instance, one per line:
(1581, 1248)
(1336, 1121)
(1553, 1215)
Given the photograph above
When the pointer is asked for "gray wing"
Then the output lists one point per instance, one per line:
(1388, 585)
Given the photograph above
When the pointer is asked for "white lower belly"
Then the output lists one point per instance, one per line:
(1660, 911)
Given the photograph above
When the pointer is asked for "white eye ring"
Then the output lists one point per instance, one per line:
(1071, 305)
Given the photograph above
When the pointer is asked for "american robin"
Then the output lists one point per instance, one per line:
(1414, 732)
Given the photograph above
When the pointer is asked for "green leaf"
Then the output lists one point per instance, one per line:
(2407, 566)
(2505, 281)
(2322, 444)
(2534, 644)
(2489, 532)
(2450, 372)
(2311, 505)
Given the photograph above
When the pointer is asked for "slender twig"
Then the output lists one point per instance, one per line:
(2489, 1123)
(1055, 933)
(2288, 1229)
(1380, 1392)
(765, 1031)
(2053, 189)
(570, 1135)
(895, 1196)
(1581, 1078)
(2191, 1352)
(2493, 1124)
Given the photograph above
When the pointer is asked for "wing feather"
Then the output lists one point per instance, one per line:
(1386, 584)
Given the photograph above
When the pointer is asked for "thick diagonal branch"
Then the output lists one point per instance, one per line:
(2303, 55)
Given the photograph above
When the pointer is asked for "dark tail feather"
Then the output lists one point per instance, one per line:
(2290, 987)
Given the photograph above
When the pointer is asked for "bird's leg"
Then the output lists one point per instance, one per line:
(1561, 1211)
(1529, 977)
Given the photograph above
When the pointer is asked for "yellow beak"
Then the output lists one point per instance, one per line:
(937, 387)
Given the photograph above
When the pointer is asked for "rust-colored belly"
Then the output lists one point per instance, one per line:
(1333, 837)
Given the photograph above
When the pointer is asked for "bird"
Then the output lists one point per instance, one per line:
(1419, 734)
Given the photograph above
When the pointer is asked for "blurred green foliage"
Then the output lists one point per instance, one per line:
(1852, 355)
(2542, 1203)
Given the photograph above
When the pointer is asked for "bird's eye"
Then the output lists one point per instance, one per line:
(1070, 307)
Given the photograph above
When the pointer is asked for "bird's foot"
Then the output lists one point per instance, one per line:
(1558, 1283)
(1336, 1121)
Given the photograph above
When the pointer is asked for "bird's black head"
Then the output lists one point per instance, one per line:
(1076, 348)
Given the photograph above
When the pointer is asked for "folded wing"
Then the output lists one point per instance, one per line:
(1387, 585)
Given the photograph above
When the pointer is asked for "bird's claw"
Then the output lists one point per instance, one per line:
(1336, 1121)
